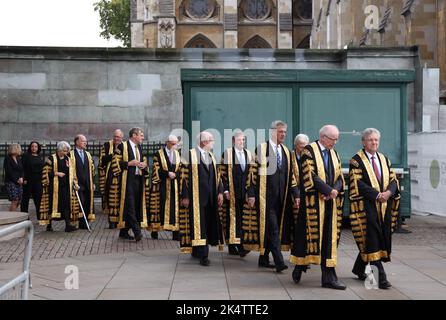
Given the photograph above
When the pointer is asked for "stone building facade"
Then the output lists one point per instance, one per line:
(286, 24)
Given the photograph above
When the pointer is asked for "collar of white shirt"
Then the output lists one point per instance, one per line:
(202, 151)
(79, 151)
(275, 146)
(321, 146)
(369, 155)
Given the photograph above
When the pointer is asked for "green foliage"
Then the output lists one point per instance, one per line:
(114, 19)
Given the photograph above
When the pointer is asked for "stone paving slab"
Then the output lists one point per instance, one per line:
(114, 269)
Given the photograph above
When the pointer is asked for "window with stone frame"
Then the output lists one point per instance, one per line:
(199, 10)
(257, 42)
(256, 10)
(200, 41)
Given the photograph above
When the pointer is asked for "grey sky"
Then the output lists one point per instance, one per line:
(72, 23)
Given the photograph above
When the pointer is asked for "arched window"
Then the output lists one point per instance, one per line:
(303, 9)
(257, 42)
(200, 41)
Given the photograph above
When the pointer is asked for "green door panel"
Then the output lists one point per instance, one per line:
(242, 107)
(353, 109)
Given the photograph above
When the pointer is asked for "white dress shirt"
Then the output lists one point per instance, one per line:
(134, 147)
(378, 165)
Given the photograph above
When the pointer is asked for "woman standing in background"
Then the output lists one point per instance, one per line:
(32, 166)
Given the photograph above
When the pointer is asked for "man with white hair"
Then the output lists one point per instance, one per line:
(375, 198)
(164, 204)
(105, 157)
(322, 210)
(271, 187)
(201, 195)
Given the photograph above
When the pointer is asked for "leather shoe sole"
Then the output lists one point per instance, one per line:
(126, 237)
(334, 285)
(361, 277)
(243, 253)
(205, 262)
(266, 265)
(384, 285)
(281, 268)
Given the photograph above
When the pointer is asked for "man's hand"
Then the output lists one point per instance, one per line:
(333, 194)
(384, 196)
(133, 163)
(296, 204)
(76, 187)
(220, 199)
(20, 181)
(185, 202)
(60, 174)
(251, 202)
(227, 195)
(142, 165)
(172, 175)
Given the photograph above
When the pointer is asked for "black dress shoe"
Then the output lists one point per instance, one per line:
(384, 284)
(154, 235)
(334, 285)
(244, 252)
(138, 237)
(70, 228)
(112, 225)
(175, 236)
(233, 251)
(126, 236)
(49, 228)
(297, 273)
(205, 262)
(83, 226)
(266, 265)
(280, 268)
(360, 276)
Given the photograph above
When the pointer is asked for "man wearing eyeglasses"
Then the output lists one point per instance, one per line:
(324, 194)
(164, 204)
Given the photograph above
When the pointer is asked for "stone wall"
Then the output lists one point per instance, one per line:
(55, 93)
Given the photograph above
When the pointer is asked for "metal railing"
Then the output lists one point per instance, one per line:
(17, 288)
(149, 148)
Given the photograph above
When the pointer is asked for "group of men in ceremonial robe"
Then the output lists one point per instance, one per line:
(271, 201)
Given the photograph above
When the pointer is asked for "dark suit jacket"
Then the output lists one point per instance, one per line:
(330, 184)
(239, 176)
(208, 189)
(82, 171)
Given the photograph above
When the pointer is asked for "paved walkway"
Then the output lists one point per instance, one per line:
(154, 269)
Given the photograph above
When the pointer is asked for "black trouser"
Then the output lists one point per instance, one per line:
(239, 203)
(328, 273)
(84, 195)
(32, 188)
(273, 236)
(202, 252)
(359, 268)
(132, 207)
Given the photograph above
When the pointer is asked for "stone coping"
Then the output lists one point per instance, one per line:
(9, 217)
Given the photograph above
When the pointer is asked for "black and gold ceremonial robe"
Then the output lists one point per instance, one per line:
(118, 187)
(164, 204)
(319, 220)
(372, 221)
(197, 228)
(89, 212)
(104, 164)
(254, 220)
(296, 166)
(234, 181)
(58, 192)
